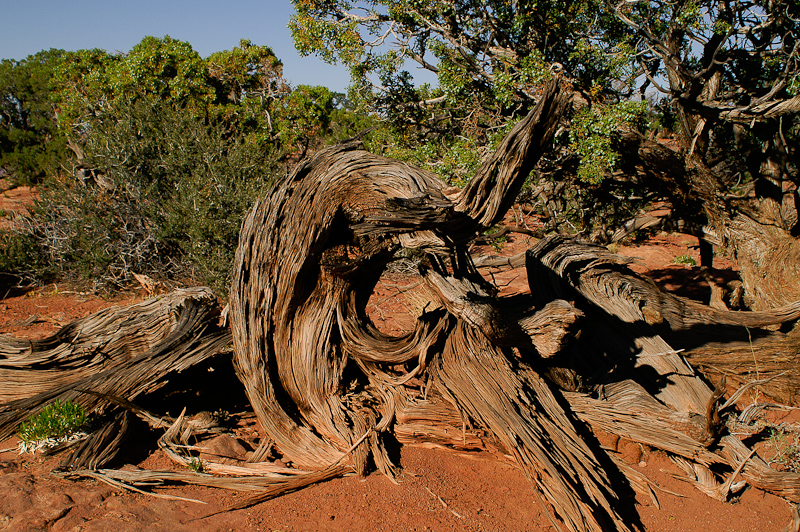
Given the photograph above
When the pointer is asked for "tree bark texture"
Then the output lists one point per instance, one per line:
(320, 376)
(325, 382)
(757, 229)
(105, 359)
(476, 370)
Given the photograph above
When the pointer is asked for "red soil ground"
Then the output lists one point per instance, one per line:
(438, 490)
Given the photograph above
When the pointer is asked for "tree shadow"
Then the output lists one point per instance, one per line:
(690, 283)
(209, 386)
(10, 286)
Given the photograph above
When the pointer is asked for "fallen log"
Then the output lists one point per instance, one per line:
(656, 393)
(119, 352)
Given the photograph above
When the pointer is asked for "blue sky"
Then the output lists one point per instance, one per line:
(29, 26)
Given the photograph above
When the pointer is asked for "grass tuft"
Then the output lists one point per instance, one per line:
(784, 443)
(684, 259)
(56, 422)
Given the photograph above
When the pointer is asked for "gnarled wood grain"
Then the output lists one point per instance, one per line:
(330, 389)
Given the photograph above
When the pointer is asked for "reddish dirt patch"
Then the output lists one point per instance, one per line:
(42, 312)
(658, 257)
(438, 490)
(14, 200)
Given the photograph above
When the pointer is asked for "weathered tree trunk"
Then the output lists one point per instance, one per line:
(112, 356)
(320, 377)
(769, 261)
(324, 382)
(757, 229)
(330, 389)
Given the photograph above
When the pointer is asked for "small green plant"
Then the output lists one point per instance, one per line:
(56, 422)
(786, 446)
(496, 242)
(196, 465)
(684, 259)
(21, 255)
(595, 132)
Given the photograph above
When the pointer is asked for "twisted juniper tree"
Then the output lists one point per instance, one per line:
(327, 385)
(727, 73)
(591, 343)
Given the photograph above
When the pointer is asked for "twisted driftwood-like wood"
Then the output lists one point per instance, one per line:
(649, 393)
(320, 377)
(89, 346)
(118, 352)
(477, 371)
(324, 382)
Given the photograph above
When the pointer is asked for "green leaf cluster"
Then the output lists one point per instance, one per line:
(497, 51)
(708, 61)
(56, 420)
(454, 160)
(529, 73)
(684, 259)
(491, 60)
(31, 145)
(595, 131)
(22, 254)
(166, 198)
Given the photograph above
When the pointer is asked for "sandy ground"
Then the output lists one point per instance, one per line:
(437, 490)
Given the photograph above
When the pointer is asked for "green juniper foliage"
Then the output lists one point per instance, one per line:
(31, 144)
(700, 73)
(684, 259)
(491, 60)
(167, 152)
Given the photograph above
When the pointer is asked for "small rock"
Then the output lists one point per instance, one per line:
(115, 503)
(224, 449)
(69, 523)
